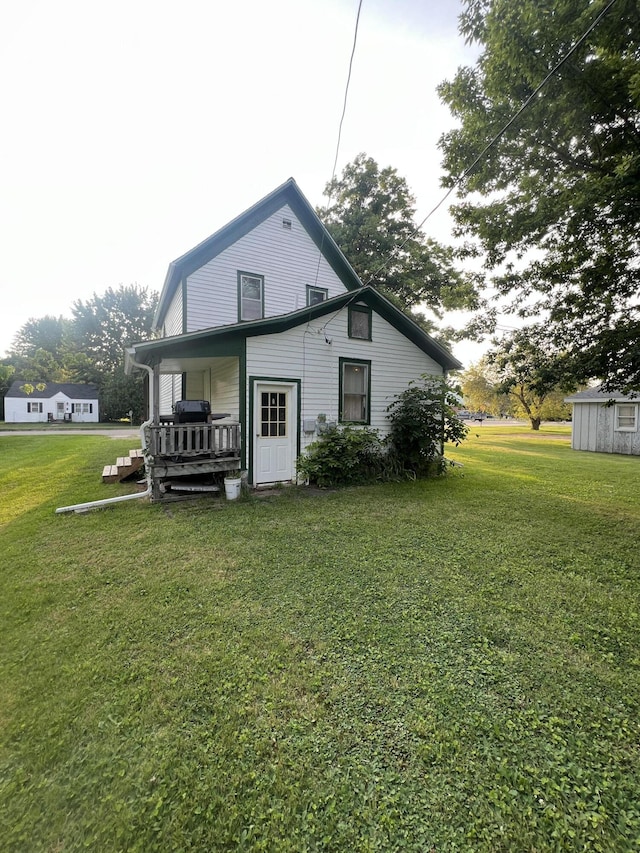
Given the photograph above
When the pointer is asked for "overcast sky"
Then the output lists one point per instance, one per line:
(134, 129)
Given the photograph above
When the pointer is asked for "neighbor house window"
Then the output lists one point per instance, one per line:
(82, 408)
(250, 296)
(316, 295)
(626, 417)
(360, 322)
(355, 391)
(34, 408)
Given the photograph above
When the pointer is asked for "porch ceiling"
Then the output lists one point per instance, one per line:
(188, 365)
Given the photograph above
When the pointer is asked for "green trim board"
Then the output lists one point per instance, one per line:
(229, 340)
(250, 425)
(355, 361)
(286, 194)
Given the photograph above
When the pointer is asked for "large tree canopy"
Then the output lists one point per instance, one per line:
(370, 214)
(554, 204)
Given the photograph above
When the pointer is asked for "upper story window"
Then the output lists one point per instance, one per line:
(626, 417)
(360, 322)
(316, 294)
(250, 296)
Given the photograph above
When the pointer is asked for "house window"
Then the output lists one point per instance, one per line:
(626, 417)
(360, 322)
(355, 391)
(82, 408)
(250, 296)
(34, 408)
(315, 295)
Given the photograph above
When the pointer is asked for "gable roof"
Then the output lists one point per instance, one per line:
(288, 193)
(69, 389)
(597, 394)
(202, 343)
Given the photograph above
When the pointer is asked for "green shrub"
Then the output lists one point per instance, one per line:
(422, 421)
(343, 456)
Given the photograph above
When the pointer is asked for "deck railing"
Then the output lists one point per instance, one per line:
(193, 440)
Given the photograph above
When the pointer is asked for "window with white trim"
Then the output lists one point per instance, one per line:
(82, 408)
(33, 408)
(315, 295)
(355, 391)
(626, 417)
(250, 296)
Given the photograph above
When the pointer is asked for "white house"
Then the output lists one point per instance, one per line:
(57, 401)
(605, 422)
(268, 323)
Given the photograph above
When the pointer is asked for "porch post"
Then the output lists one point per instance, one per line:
(156, 394)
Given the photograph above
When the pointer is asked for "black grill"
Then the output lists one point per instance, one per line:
(191, 411)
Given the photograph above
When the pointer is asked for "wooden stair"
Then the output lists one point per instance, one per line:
(125, 466)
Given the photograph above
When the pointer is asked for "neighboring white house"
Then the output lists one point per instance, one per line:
(268, 322)
(58, 401)
(605, 422)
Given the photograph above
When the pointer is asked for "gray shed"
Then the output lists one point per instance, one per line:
(605, 421)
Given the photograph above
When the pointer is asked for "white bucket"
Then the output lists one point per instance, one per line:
(232, 487)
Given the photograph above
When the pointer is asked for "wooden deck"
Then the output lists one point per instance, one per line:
(197, 451)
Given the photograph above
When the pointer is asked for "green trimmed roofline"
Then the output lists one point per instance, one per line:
(234, 335)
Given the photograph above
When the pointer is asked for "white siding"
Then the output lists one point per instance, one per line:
(303, 353)
(593, 428)
(15, 409)
(173, 319)
(224, 387)
(170, 392)
(288, 260)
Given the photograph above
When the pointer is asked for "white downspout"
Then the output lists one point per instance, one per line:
(147, 492)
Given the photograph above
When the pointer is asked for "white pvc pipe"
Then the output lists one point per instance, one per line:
(146, 493)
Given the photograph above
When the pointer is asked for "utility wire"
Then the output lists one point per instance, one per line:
(344, 110)
(498, 136)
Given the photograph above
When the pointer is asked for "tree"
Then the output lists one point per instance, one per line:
(42, 350)
(533, 374)
(554, 204)
(103, 327)
(370, 214)
(481, 389)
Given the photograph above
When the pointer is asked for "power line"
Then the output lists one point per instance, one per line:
(346, 90)
(498, 135)
(344, 110)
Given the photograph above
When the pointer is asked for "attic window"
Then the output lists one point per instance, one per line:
(360, 322)
(286, 224)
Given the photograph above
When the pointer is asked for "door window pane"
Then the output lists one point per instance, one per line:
(273, 412)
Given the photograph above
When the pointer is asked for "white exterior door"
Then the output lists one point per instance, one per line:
(274, 420)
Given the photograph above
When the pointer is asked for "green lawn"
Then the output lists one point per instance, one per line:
(446, 665)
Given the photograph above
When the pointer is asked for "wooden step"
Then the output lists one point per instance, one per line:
(110, 474)
(125, 466)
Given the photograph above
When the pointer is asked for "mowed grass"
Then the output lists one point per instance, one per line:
(445, 665)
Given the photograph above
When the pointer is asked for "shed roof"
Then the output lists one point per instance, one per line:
(74, 391)
(287, 193)
(597, 394)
